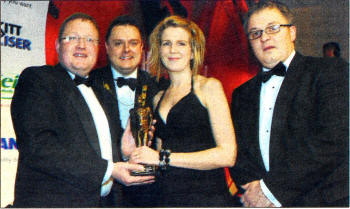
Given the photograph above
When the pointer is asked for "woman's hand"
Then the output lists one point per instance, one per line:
(145, 155)
(128, 144)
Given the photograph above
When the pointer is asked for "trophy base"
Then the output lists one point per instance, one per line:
(149, 171)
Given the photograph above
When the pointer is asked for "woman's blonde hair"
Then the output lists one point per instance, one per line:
(197, 41)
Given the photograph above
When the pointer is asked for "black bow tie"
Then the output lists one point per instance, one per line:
(131, 82)
(279, 70)
(80, 80)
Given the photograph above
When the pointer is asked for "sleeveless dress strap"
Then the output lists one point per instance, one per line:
(160, 100)
(192, 84)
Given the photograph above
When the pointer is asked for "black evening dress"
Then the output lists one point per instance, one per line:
(187, 129)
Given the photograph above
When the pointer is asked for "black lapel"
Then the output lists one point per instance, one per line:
(108, 81)
(110, 106)
(248, 111)
(254, 120)
(73, 95)
(104, 88)
(140, 82)
(284, 100)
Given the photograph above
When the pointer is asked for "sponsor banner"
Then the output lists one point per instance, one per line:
(23, 26)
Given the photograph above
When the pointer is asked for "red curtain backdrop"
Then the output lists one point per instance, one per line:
(227, 55)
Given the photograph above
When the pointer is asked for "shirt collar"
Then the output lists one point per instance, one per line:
(116, 74)
(72, 75)
(286, 62)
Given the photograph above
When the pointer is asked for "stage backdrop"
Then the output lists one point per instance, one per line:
(29, 30)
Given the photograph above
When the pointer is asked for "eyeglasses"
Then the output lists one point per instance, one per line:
(76, 39)
(255, 34)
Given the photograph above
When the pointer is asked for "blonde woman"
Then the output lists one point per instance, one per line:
(194, 131)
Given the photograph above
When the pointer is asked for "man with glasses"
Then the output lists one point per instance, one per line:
(291, 120)
(67, 141)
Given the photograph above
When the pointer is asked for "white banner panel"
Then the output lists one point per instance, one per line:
(23, 25)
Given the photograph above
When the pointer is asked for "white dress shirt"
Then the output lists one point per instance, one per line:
(125, 96)
(268, 94)
(103, 133)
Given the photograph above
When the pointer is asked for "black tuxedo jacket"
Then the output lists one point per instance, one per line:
(60, 162)
(309, 141)
(137, 196)
(104, 77)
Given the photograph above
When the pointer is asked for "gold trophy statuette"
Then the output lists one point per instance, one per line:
(141, 120)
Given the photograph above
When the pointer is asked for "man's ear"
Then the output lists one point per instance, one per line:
(57, 46)
(106, 46)
(293, 32)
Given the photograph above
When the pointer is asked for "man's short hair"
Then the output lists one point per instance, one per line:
(78, 15)
(286, 12)
(124, 20)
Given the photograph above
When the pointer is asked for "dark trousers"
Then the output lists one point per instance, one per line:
(107, 201)
(141, 196)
